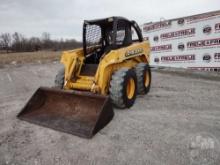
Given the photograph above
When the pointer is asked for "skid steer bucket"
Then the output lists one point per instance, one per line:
(78, 113)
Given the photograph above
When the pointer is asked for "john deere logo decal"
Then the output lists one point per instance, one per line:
(133, 52)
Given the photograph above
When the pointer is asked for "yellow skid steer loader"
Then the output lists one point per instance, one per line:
(110, 69)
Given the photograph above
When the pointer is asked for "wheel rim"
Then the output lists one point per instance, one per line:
(146, 79)
(130, 88)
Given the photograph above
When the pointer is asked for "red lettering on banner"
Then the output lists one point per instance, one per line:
(156, 26)
(217, 56)
(161, 48)
(185, 32)
(217, 26)
(202, 16)
(178, 58)
(203, 43)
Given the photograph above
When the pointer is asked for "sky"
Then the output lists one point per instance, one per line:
(64, 18)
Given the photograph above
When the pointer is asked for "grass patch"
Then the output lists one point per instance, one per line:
(29, 57)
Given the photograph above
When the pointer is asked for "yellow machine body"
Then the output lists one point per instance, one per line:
(73, 61)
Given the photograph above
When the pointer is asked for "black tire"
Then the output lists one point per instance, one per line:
(59, 79)
(120, 81)
(143, 72)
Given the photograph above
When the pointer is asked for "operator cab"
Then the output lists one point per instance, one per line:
(103, 35)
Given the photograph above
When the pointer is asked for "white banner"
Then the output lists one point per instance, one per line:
(188, 42)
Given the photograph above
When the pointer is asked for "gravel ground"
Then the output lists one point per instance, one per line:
(178, 122)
